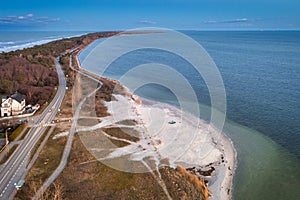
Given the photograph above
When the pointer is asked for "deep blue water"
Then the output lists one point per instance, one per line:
(261, 74)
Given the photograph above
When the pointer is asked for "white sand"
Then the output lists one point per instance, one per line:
(190, 142)
(190, 145)
(59, 135)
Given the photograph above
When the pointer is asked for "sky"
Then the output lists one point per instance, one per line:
(99, 15)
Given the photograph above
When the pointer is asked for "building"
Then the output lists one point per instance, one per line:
(12, 105)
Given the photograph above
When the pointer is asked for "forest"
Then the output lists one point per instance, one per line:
(32, 71)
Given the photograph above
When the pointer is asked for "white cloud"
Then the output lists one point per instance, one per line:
(239, 20)
(147, 22)
(28, 19)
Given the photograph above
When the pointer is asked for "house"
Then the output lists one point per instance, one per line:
(5, 106)
(12, 105)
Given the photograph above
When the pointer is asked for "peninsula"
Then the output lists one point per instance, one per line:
(66, 160)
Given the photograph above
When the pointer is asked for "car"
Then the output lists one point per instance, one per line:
(22, 121)
(172, 122)
(19, 184)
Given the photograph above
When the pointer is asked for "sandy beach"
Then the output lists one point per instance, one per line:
(266, 155)
(165, 132)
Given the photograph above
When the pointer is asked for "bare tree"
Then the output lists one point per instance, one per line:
(58, 191)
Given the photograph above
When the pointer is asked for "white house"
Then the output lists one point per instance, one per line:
(12, 105)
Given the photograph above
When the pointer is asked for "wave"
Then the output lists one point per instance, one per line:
(5, 43)
(9, 46)
(23, 46)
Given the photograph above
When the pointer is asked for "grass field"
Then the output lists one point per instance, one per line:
(103, 182)
(48, 160)
(16, 133)
(10, 152)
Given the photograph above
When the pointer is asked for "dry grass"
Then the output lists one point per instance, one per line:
(24, 134)
(118, 143)
(183, 185)
(9, 153)
(37, 145)
(106, 183)
(66, 109)
(16, 132)
(47, 162)
(94, 180)
(195, 180)
(82, 179)
(128, 122)
(124, 133)
(55, 192)
(87, 122)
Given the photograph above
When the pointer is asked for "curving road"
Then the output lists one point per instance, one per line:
(15, 168)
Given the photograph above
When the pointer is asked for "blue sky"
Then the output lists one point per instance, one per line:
(126, 14)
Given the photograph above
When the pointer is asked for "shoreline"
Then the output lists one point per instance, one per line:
(39, 42)
(224, 185)
(220, 182)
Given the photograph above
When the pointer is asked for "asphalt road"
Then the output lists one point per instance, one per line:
(15, 168)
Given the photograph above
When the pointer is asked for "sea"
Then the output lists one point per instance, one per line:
(13, 40)
(261, 75)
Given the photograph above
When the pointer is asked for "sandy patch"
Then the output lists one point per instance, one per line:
(168, 133)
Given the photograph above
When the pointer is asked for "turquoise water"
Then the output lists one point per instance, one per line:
(265, 169)
(261, 73)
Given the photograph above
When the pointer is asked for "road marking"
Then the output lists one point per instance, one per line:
(18, 157)
(21, 164)
(4, 190)
(37, 130)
